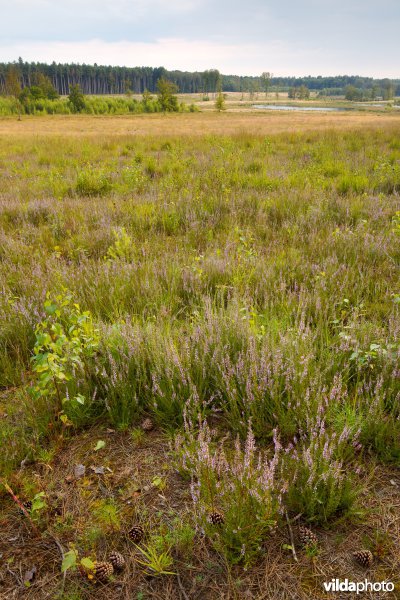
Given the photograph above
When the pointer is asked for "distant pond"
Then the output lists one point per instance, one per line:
(299, 108)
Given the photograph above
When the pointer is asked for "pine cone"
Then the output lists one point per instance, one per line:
(364, 557)
(147, 425)
(117, 560)
(136, 533)
(307, 537)
(216, 518)
(103, 571)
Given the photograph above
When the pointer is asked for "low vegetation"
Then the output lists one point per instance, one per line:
(241, 293)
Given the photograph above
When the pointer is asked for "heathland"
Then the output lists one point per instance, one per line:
(199, 339)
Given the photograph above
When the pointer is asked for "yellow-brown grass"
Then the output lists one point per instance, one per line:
(192, 123)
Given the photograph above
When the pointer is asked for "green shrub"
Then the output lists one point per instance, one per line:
(66, 342)
(92, 182)
(123, 247)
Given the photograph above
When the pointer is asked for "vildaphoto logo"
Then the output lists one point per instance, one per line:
(344, 585)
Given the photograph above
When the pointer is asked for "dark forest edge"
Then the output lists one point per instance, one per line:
(41, 97)
(103, 80)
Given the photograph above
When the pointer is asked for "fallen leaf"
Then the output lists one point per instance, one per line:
(79, 471)
(97, 470)
(29, 576)
(132, 494)
(87, 563)
(126, 472)
(100, 444)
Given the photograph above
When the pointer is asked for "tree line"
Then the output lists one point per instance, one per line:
(103, 80)
(42, 97)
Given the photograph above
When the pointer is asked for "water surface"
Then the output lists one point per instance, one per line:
(299, 108)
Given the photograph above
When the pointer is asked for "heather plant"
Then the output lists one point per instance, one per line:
(181, 537)
(119, 380)
(321, 486)
(376, 407)
(381, 433)
(264, 381)
(240, 484)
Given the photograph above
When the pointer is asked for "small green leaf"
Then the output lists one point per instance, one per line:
(69, 560)
(100, 444)
(50, 308)
(287, 547)
(87, 563)
(80, 399)
(38, 502)
(374, 346)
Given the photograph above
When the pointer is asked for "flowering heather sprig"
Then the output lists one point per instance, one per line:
(241, 481)
(320, 486)
(263, 382)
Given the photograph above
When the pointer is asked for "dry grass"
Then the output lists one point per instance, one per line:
(192, 123)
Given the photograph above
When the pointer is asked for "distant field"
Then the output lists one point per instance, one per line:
(199, 337)
(210, 122)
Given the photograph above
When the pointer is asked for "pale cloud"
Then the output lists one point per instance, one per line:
(190, 55)
(287, 37)
(121, 7)
(172, 53)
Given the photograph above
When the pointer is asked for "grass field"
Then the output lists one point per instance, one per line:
(199, 335)
(243, 121)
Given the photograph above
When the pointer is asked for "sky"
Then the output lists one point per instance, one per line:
(241, 37)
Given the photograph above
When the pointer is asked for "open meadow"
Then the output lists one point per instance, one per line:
(235, 121)
(199, 354)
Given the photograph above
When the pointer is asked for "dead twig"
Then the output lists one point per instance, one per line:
(61, 551)
(184, 594)
(16, 577)
(291, 538)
